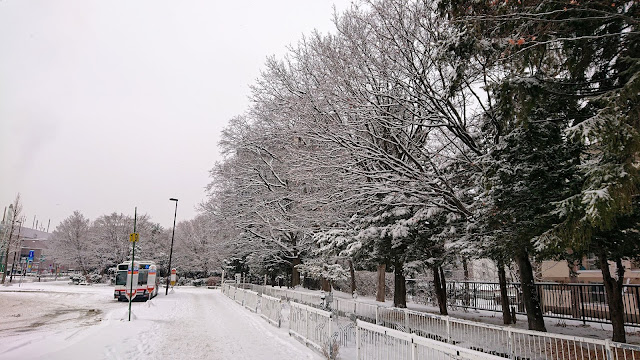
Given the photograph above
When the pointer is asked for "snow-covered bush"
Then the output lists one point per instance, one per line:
(213, 281)
(198, 282)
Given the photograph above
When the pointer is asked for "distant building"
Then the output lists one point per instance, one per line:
(588, 271)
(35, 243)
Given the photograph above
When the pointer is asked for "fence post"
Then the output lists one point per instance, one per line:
(377, 318)
(414, 348)
(406, 321)
(448, 329)
(584, 320)
(306, 322)
(512, 348)
(357, 341)
(607, 344)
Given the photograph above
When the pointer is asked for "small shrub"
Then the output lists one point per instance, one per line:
(331, 349)
(213, 281)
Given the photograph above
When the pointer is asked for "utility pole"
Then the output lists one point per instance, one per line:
(133, 238)
(173, 233)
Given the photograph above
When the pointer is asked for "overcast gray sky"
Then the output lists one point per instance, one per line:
(108, 105)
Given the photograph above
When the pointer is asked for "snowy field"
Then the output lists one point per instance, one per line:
(56, 320)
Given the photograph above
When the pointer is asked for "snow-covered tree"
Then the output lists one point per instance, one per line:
(8, 237)
(71, 243)
(199, 246)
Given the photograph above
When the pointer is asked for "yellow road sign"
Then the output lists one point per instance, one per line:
(133, 237)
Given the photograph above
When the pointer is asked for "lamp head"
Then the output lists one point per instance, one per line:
(172, 199)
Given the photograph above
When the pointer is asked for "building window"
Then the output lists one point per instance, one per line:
(590, 262)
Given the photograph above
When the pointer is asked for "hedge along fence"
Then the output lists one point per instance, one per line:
(271, 309)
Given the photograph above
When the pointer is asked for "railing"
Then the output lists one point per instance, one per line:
(238, 296)
(275, 292)
(503, 341)
(359, 310)
(251, 300)
(271, 309)
(377, 342)
(290, 295)
(315, 327)
(584, 302)
(312, 325)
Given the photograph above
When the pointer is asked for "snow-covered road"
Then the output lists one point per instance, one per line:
(61, 321)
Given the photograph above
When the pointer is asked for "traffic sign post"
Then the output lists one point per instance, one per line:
(174, 277)
(133, 238)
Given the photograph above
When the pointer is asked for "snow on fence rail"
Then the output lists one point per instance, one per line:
(290, 295)
(275, 292)
(271, 309)
(362, 311)
(504, 341)
(498, 340)
(375, 342)
(312, 325)
(493, 339)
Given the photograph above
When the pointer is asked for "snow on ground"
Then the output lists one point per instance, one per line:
(56, 320)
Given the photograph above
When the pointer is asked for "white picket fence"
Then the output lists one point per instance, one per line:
(312, 325)
(362, 311)
(310, 299)
(271, 309)
(251, 300)
(374, 342)
(503, 341)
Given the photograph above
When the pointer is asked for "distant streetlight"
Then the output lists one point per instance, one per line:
(171, 252)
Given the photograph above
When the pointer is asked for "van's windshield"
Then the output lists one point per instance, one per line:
(121, 278)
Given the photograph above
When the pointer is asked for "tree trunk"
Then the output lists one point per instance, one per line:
(380, 295)
(352, 273)
(295, 274)
(530, 293)
(465, 296)
(440, 295)
(613, 288)
(325, 285)
(504, 296)
(399, 285)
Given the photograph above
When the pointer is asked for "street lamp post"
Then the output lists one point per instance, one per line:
(171, 251)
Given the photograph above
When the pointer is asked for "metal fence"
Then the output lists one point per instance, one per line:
(358, 310)
(377, 342)
(584, 302)
(312, 325)
(318, 328)
(310, 299)
(251, 300)
(271, 309)
(504, 341)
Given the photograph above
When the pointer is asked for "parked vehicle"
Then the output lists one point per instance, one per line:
(146, 286)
